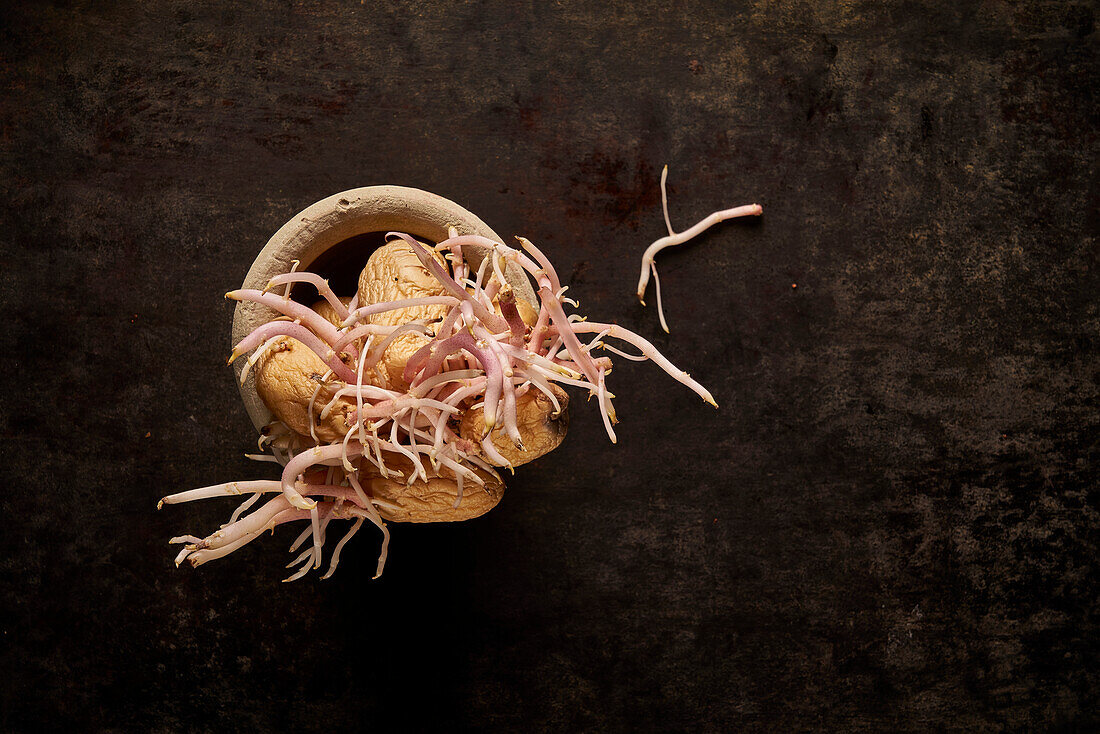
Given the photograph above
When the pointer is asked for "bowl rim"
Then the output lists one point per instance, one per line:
(338, 217)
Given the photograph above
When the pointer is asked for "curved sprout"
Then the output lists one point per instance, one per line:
(649, 267)
(322, 286)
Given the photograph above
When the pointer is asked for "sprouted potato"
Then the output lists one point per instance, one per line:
(401, 403)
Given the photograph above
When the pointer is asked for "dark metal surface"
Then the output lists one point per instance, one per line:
(890, 523)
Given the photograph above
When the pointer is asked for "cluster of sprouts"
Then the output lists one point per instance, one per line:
(481, 354)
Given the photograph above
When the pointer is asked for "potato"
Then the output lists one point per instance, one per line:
(326, 310)
(541, 429)
(392, 273)
(286, 376)
(433, 501)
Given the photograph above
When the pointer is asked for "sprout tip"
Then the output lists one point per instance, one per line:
(302, 503)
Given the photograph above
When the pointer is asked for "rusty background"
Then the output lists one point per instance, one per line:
(892, 522)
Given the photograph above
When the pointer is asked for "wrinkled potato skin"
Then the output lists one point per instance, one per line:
(326, 310)
(285, 382)
(393, 273)
(433, 501)
(540, 429)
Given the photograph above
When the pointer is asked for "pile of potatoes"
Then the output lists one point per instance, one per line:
(288, 374)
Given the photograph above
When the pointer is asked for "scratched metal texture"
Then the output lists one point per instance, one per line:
(890, 524)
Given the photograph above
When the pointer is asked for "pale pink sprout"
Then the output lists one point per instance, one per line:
(600, 362)
(496, 323)
(545, 268)
(308, 533)
(606, 411)
(340, 546)
(300, 333)
(366, 390)
(376, 308)
(650, 351)
(269, 458)
(376, 352)
(321, 384)
(418, 466)
(220, 490)
(256, 355)
(311, 457)
(649, 267)
(475, 358)
(374, 517)
(458, 264)
(409, 426)
(542, 385)
(476, 284)
(359, 332)
(569, 336)
(491, 451)
(624, 355)
(240, 532)
(294, 264)
(322, 286)
(458, 492)
(358, 407)
(510, 415)
(426, 386)
(243, 507)
(538, 332)
(498, 271)
(320, 326)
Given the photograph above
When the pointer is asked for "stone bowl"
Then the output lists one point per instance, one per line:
(338, 234)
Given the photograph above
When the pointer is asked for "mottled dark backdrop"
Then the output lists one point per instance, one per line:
(892, 522)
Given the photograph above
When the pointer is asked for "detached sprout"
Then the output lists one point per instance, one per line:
(673, 238)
